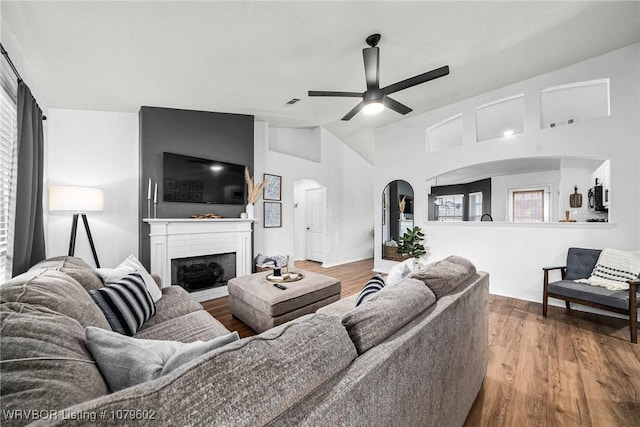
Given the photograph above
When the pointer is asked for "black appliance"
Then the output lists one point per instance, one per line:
(195, 180)
(596, 199)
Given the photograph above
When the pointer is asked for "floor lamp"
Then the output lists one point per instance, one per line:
(77, 200)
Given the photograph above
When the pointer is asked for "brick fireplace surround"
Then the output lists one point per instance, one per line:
(173, 238)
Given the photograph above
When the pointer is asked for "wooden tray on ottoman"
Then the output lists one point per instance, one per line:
(283, 279)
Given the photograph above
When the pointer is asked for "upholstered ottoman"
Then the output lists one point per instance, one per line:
(258, 303)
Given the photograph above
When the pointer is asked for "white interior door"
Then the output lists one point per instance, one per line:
(315, 224)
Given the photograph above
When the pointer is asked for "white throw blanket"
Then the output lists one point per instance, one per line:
(614, 268)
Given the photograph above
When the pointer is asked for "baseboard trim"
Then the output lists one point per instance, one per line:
(335, 264)
(560, 303)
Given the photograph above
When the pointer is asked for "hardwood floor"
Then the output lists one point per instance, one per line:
(569, 369)
(352, 277)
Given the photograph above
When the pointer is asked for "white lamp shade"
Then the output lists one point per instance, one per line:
(75, 199)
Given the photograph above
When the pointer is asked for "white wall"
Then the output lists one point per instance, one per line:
(348, 180)
(92, 148)
(15, 53)
(95, 149)
(514, 254)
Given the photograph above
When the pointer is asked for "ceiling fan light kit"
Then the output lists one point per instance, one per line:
(373, 107)
(374, 99)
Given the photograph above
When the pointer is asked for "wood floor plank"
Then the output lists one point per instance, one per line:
(569, 405)
(531, 386)
(493, 403)
(568, 369)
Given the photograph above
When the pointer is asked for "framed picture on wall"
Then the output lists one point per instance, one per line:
(273, 190)
(272, 214)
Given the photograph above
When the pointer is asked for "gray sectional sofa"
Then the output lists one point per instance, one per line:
(408, 357)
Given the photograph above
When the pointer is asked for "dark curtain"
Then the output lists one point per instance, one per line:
(28, 237)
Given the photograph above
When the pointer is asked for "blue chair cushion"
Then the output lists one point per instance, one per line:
(597, 294)
(580, 263)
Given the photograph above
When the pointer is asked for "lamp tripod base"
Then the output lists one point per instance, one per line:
(74, 231)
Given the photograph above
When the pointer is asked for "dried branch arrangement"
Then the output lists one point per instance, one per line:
(253, 192)
(402, 203)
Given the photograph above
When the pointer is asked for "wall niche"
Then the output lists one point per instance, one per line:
(567, 104)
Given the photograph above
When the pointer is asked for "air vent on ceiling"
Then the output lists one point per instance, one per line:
(293, 101)
(561, 123)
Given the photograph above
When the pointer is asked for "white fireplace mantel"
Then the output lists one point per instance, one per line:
(173, 238)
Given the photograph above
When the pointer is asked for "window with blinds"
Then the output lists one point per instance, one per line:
(528, 206)
(8, 156)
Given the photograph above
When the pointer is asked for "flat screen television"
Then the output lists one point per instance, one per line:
(189, 179)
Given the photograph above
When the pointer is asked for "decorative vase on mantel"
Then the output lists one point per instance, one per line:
(250, 211)
(253, 193)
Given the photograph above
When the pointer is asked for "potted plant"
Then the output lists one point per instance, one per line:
(410, 243)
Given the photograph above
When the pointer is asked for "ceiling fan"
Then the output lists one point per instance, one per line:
(375, 99)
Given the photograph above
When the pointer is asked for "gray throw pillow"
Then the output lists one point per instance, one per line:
(126, 361)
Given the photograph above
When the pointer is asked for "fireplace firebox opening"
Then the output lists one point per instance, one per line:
(203, 272)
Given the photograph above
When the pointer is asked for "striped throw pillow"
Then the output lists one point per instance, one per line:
(373, 285)
(126, 304)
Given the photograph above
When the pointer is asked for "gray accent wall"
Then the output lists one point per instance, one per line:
(217, 136)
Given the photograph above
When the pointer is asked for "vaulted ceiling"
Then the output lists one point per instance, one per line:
(253, 57)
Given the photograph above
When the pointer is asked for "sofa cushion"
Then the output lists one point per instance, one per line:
(45, 363)
(340, 307)
(597, 294)
(74, 267)
(375, 284)
(444, 276)
(57, 291)
(580, 263)
(258, 370)
(175, 302)
(199, 325)
(125, 361)
(248, 382)
(386, 312)
(126, 304)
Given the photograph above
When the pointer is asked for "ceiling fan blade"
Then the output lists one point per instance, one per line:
(413, 81)
(396, 106)
(353, 112)
(330, 93)
(371, 57)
